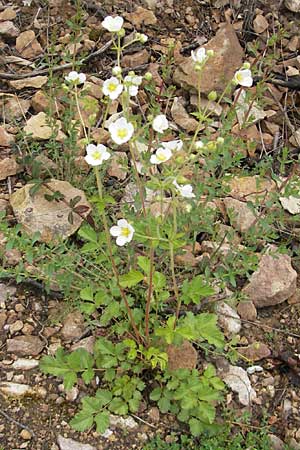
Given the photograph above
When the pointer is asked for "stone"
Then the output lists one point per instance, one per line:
(5, 293)
(27, 45)
(14, 108)
(141, 16)
(4, 206)
(240, 215)
(228, 318)
(273, 282)
(26, 435)
(227, 59)
(25, 364)
(70, 444)
(295, 138)
(181, 117)
(251, 188)
(8, 167)
(50, 218)
(8, 30)
(40, 102)
(293, 5)
(25, 345)
(247, 112)
(72, 394)
(86, 343)
(255, 352)
(276, 443)
(8, 14)
(247, 310)
(154, 414)
(183, 356)
(291, 204)
(38, 128)
(73, 326)
(136, 59)
(16, 326)
(125, 423)
(117, 166)
(12, 257)
(238, 381)
(260, 24)
(3, 318)
(6, 139)
(90, 110)
(15, 389)
(32, 82)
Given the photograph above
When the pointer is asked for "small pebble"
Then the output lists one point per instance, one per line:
(26, 435)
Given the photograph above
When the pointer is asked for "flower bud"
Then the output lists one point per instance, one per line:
(181, 180)
(121, 33)
(188, 207)
(210, 53)
(211, 145)
(180, 159)
(198, 67)
(246, 65)
(148, 76)
(117, 71)
(212, 96)
(198, 145)
(220, 140)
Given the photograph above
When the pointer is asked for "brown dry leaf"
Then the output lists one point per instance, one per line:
(34, 82)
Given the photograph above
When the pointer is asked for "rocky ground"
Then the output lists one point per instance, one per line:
(35, 409)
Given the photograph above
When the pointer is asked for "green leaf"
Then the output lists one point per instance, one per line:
(164, 404)
(155, 394)
(144, 264)
(159, 281)
(118, 406)
(82, 421)
(131, 278)
(69, 380)
(102, 421)
(87, 294)
(88, 375)
(195, 290)
(208, 329)
(196, 426)
(103, 396)
(88, 233)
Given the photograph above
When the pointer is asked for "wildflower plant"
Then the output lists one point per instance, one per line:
(146, 300)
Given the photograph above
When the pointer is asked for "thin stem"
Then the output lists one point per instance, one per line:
(149, 296)
(80, 115)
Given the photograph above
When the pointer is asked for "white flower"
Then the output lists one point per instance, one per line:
(113, 24)
(243, 77)
(75, 77)
(185, 190)
(199, 55)
(96, 154)
(121, 130)
(161, 155)
(112, 88)
(143, 38)
(131, 82)
(174, 146)
(198, 145)
(27, 2)
(160, 123)
(116, 70)
(123, 231)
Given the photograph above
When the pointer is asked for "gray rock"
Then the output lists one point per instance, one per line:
(70, 444)
(25, 364)
(237, 379)
(8, 29)
(276, 443)
(15, 389)
(73, 326)
(50, 218)
(241, 216)
(86, 343)
(229, 320)
(25, 345)
(293, 5)
(273, 282)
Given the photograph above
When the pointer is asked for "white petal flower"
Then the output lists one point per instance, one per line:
(112, 88)
(174, 146)
(123, 231)
(121, 131)
(185, 190)
(199, 55)
(96, 154)
(143, 38)
(243, 77)
(117, 70)
(160, 123)
(113, 24)
(75, 77)
(131, 83)
(198, 145)
(161, 155)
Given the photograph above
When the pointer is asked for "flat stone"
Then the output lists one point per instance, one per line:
(260, 24)
(25, 345)
(6, 139)
(273, 282)
(293, 5)
(14, 108)
(255, 351)
(251, 188)
(15, 389)
(73, 326)
(50, 218)
(181, 117)
(228, 318)
(86, 343)
(240, 215)
(247, 310)
(70, 444)
(6, 292)
(8, 14)
(38, 128)
(27, 45)
(276, 443)
(136, 59)
(25, 364)
(238, 381)
(219, 70)
(8, 30)
(183, 356)
(32, 82)
(8, 167)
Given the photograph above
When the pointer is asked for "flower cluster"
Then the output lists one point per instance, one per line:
(75, 78)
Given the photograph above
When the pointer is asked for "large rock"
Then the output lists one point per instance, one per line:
(252, 188)
(38, 128)
(228, 319)
(50, 218)
(25, 345)
(27, 45)
(273, 282)
(6, 139)
(8, 167)
(70, 444)
(241, 216)
(219, 70)
(293, 5)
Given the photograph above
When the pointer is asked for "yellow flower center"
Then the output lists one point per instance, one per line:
(112, 87)
(122, 133)
(239, 76)
(125, 232)
(160, 157)
(97, 155)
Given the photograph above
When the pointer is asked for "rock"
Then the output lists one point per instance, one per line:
(16, 326)
(295, 138)
(247, 112)
(136, 59)
(14, 108)
(255, 351)
(25, 364)
(260, 24)
(8, 30)
(90, 110)
(12, 257)
(40, 102)
(9, 167)
(25, 345)
(181, 117)
(241, 216)
(3, 318)
(26, 435)
(73, 326)
(6, 139)
(70, 444)
(4, 206)
(291, 204)
(238, 381)
(276, 443)
(154, 414)
(6, 292)
(86, 343)
(36, 213)
(72, 394)
(228, 319)
(247, 310)
(117, 166)
(27, 45)
(141, 16)
(183, 356)
(8, 14)
(228, 56)
(38, 128)
(252, 188)
(273, 282)
(293, 5)
(34, 82)
(210, 105)
(15, 389)
(125, 423)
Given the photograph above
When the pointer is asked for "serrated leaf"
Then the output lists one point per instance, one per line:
(155, 394)
(82, 421)
(69, 380)
(88, 233)
(103, 396)
(208, 329)
(164, 404)
(196, 426)
(144, 264)
(118, 406)
(87, 293)
(131, 278)
(102, 421)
